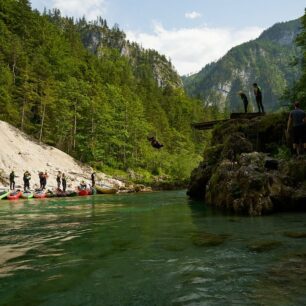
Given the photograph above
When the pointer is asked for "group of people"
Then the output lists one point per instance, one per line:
(26, 180)
(43, 176)
(61, 180)
(258, 97)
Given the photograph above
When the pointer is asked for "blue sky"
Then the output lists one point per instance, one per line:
(190, 32)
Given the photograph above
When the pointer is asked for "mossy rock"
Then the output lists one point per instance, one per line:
(208, 239)
(264, 246)
(213, 154)
(295, 235)
(235, 144)
(174, 247)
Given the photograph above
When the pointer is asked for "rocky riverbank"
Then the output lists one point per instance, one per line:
(248, 168)
(19, 152)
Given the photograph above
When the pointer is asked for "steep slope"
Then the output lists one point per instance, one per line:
(19, 152)
(266, 60)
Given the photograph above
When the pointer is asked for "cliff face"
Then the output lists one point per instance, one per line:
(98, 37)
(265, 60)
(248, 169)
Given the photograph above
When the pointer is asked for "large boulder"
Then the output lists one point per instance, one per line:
(199, 180)
(235, 177)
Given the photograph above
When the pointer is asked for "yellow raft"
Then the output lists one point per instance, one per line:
(106, 190)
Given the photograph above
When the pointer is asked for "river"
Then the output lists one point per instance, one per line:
(147, 249)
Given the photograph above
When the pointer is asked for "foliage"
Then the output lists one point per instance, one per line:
(298, 90)
(82, 87)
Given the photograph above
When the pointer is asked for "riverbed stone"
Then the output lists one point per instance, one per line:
(295, 235)
(203, 239)
(264, 246)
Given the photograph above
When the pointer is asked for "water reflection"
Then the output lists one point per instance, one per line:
(146, 249)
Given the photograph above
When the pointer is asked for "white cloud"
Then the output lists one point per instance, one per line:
(192, 15)
(79, 8)
(190, 49)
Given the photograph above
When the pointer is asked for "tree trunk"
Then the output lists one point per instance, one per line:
(42, 123)
(22, 114)
(74, 126)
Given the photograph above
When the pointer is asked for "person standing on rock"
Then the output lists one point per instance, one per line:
(64, 182)
(244, 99)
(58, 180)
(12, 180)
(258, 97)
(297, 120)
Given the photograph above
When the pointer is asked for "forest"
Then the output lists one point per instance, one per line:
(96, 101)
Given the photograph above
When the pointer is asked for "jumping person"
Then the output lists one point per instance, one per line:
(297, 120)
(258, 96)
(154, 143)
(12, 180)
(244, 99)
(58, 180)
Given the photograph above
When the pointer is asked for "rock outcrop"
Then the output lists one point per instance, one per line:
(249, 169)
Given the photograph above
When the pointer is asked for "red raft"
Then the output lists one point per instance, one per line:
(84, 192)
(39, 194)
(15, 195)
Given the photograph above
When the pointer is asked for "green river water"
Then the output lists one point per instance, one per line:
(147, 249)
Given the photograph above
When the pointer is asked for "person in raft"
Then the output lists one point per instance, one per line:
(26, 180)
(244, 99)
(12, 180)
(58, 180)
(297, 120)
(83, 185)
(155, 143)
(93, 179)
(258, 97)
(64, 182)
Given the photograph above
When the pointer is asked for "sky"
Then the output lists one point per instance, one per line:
(192, 33)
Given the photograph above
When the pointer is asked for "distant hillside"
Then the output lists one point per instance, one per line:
(98, 37)
(266, 60)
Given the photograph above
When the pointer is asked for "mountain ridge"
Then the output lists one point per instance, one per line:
(265, 60)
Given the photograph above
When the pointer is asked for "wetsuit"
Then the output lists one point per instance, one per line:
(58, 180)
(258, 96)
(12, 181)
(43, 181)
(64, 183)
(245, 101)
(93, 180)
(26, 180)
